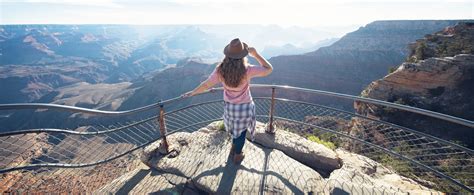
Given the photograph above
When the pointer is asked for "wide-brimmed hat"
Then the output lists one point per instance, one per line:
(236, 49)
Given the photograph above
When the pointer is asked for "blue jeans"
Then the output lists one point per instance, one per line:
(239, 142)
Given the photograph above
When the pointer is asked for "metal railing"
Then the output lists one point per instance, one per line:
(429, 113)
(373, 138)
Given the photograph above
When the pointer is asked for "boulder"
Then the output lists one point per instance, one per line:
(312, 154)
(361, 175)
(362, 164)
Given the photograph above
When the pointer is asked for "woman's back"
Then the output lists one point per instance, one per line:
(240, 94)
(235, 74)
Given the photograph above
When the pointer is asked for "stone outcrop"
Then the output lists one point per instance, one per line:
(438, 76)
(428, 78)
(353, 62)
(202, 157)
(312, 154)
(28, 150)
(72, 181)
(451, 41)
(361, 175)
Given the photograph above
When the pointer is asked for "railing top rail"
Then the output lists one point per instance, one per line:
(433, 114)
(25, 106)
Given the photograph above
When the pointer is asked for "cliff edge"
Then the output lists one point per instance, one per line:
(437, 76)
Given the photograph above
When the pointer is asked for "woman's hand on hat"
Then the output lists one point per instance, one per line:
(252, 51)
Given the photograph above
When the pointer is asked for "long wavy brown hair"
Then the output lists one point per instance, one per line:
(232, 71)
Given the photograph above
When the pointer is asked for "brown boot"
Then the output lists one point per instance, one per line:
(238, 158)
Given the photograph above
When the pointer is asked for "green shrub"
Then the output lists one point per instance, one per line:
(316, 139)
(221, 126)
(420, 51)
(450, 166)
(401, 166)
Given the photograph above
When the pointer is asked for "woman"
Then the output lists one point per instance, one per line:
(235, 73)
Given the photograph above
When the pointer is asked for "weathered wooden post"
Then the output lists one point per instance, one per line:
(270, 128)
(161, 120)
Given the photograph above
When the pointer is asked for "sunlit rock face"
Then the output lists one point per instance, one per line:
(354, 61)
(437, 76)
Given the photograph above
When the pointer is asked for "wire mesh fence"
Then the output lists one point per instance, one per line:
(47, 158)
(423, 155)
(86, 155)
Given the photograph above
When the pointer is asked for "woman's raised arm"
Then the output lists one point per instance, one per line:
(261, 60)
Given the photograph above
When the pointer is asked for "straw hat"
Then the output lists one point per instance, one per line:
(236, 49)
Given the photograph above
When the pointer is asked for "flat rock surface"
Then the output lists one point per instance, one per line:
(205, 160)
(144, 180)
(199, 162)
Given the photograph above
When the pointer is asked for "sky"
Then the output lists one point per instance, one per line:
(306, 13)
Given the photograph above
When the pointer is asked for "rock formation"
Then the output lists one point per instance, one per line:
(47, 180)
(32, 146)
(311, 154)
(438, 76)
(199, 162)
(357, 59)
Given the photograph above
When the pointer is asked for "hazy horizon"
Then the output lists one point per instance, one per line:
(299, 13)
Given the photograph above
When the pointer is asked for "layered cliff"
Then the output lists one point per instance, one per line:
(354, 61)
(346, 66)
(438, 76)
(118, 53)
(168, 83)
(24, 83)
(37, 59)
